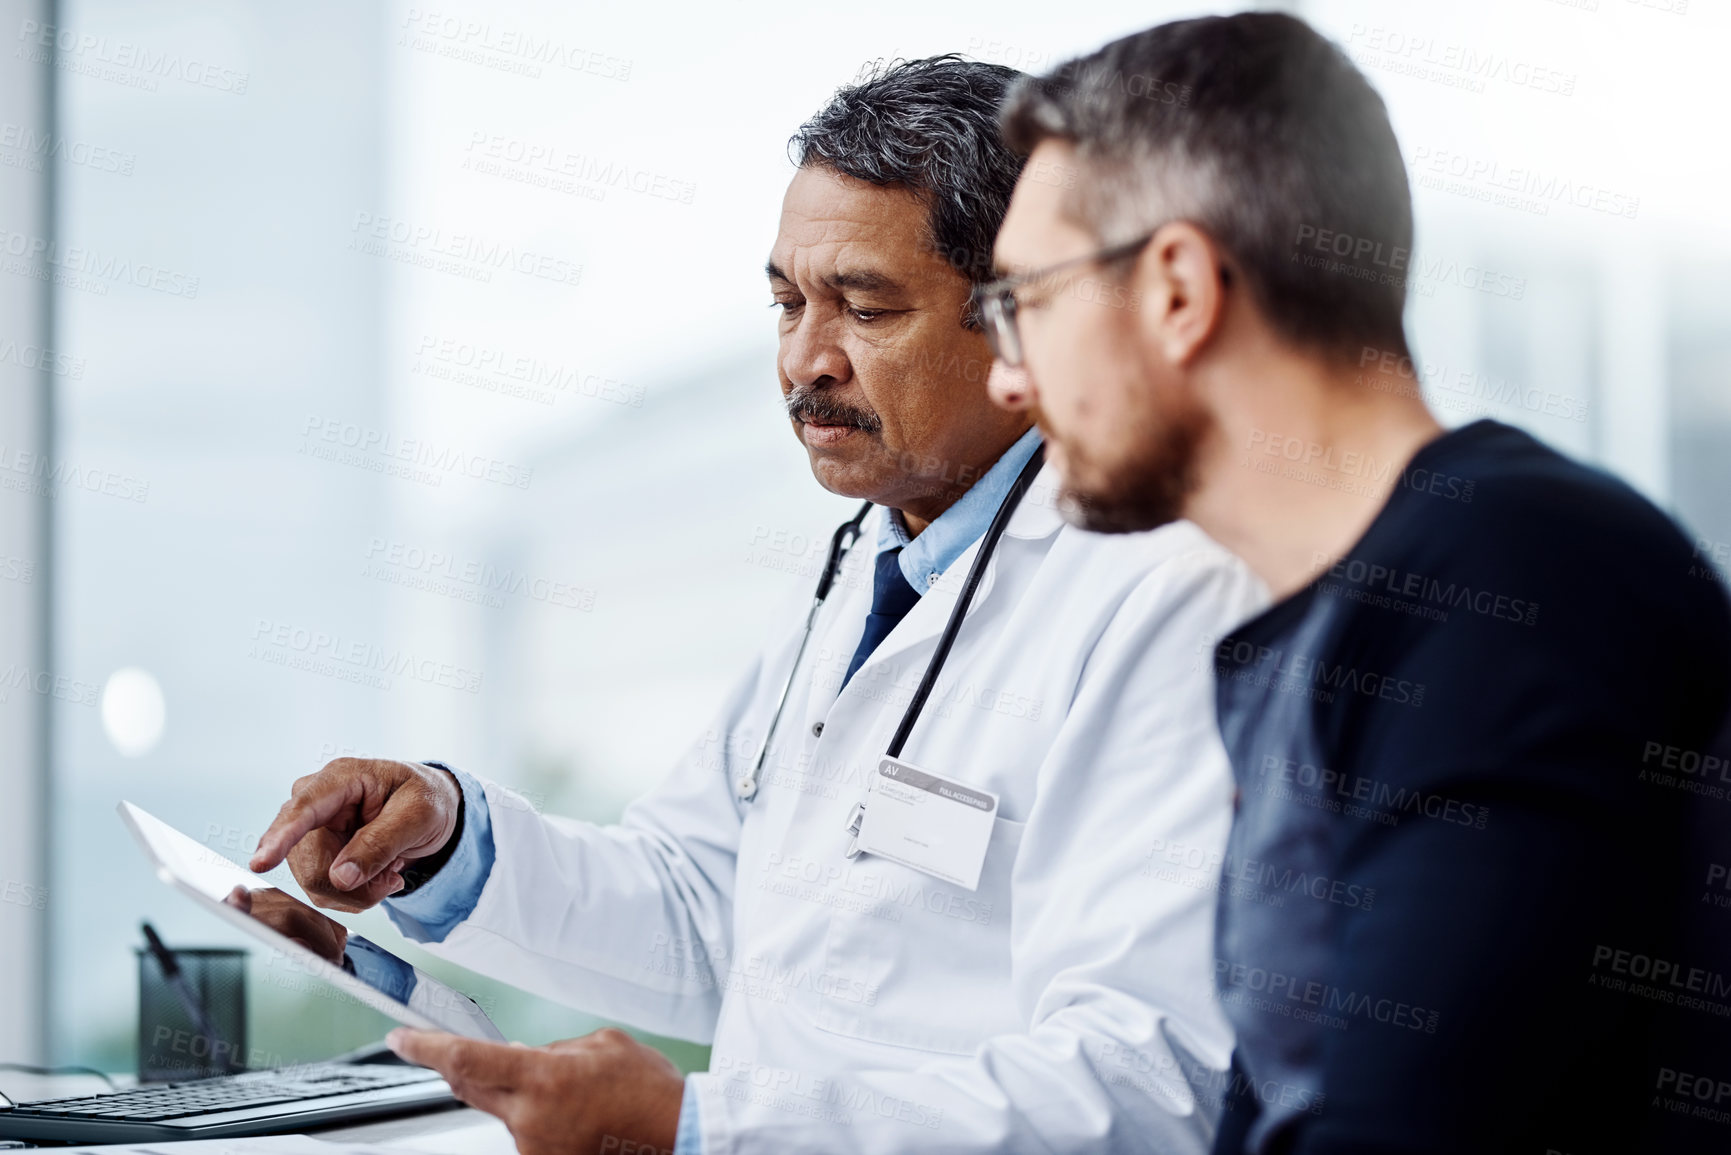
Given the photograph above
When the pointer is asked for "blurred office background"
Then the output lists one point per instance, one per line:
(254, 255)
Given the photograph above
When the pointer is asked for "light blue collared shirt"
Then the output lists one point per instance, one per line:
(689, 1140)
(925, 558)
(446, 899)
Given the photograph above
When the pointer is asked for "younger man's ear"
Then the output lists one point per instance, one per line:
(1179, 291)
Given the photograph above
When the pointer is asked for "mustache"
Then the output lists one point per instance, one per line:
(818, 408)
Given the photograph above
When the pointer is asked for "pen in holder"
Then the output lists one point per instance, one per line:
(191, 1011)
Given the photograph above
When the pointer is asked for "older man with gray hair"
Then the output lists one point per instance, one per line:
(940, 877)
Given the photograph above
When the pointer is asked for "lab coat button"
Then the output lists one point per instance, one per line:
(817, 729)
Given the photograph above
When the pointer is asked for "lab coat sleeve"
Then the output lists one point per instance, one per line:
(1125, 1047)
(618, 920)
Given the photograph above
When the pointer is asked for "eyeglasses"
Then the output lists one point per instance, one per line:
(996, 300)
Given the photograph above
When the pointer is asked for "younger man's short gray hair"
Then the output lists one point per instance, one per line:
(1259, 131)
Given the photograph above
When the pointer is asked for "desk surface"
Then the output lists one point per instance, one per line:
(454, 1131)
(458, 1131)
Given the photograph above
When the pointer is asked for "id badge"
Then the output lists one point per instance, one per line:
(928, 822)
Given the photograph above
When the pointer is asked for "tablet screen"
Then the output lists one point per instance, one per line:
(215, 877)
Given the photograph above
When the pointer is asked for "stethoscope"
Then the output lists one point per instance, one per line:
(845, 536)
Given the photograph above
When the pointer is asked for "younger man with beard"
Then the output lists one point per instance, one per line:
(1465, 725)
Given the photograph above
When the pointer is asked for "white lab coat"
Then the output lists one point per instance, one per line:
(859, 1006)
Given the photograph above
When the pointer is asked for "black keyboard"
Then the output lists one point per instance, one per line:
(240, 1103)
(229, 1093)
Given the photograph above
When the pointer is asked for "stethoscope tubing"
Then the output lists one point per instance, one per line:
(839, 544)
(843, 541)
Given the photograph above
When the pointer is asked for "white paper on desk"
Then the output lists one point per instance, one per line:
(261, 1145)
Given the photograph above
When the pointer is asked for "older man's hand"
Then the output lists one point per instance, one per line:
(605, 1092)
(349, 830)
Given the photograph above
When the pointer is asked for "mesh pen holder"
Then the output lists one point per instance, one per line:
(171, 1044)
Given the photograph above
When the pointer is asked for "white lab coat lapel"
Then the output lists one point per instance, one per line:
(1035, 518)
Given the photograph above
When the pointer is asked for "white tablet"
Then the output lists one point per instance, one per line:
(302, 938)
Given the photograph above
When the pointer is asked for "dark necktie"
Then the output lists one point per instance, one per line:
(892, 598)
